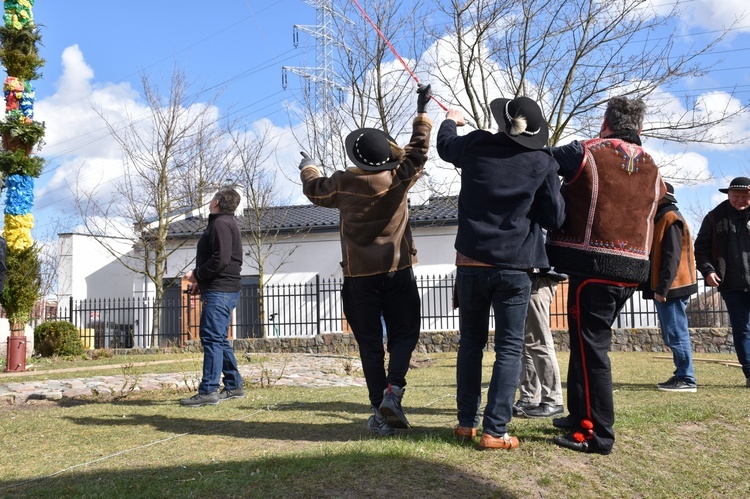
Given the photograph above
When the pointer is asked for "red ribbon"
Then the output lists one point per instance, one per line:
(394, 51)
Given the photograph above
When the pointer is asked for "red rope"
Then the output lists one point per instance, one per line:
(394, 51)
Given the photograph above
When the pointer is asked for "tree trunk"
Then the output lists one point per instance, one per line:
(17, 328)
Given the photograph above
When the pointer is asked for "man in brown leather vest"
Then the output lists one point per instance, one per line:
(611, 190)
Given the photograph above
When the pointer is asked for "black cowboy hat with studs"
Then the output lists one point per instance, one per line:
(738, 183)
(536, 133)
(368, 148)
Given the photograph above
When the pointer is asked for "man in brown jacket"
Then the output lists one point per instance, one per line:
(671, 282)
(378, 253)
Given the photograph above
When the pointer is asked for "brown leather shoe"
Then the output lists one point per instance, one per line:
(505, 442)
(464, 434)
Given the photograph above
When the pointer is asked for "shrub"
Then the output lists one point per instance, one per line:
(57, 338)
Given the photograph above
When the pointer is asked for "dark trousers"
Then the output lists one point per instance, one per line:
(395, 297)
(738, 307)
(593, 305)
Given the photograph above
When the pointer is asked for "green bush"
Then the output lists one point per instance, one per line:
(57, 338)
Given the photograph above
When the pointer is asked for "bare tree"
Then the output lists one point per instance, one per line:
(571, 56)
(366, 88)
(169, 157)
(261, 224)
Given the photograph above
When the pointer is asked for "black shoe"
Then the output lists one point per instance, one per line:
(237, 393)
(201, 399)
(747, 382)
(569, 442)
(544, 410)
(675, 384)
(519, 408)
(564, 423)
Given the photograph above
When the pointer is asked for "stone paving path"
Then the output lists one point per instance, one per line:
(308, 370)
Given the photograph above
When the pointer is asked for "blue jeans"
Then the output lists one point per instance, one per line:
(507, 292)
(675, 333)
(738, 307)
(218, 356)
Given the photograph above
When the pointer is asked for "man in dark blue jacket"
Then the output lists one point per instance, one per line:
(216, 276)
(509, 192)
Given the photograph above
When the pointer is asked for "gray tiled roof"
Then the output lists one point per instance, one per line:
(310, 218)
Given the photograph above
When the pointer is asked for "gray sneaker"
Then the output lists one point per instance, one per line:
(226, 394)
(390, 407)
(378, 424)
(201, 399)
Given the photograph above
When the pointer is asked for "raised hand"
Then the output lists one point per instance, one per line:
(423, 97)
(306, 160)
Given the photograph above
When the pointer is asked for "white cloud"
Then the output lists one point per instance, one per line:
(681, 168)
(713, 14)
(78, 148)
(707, 14)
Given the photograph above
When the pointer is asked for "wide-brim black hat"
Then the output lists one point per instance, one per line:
(738, 183)
(536, 133)
(369, 149)
(669, 196)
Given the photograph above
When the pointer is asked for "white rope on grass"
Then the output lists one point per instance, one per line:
(163, 440)
(144, 446)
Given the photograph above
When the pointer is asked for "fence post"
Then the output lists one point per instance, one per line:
(70, 310)
(317, 302)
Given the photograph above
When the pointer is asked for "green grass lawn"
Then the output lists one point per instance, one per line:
(312, 442)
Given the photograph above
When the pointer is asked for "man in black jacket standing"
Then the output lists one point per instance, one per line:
(509, 192)
(722, 254)
(216, 276)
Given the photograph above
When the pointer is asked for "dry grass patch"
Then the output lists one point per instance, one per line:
(311, 442)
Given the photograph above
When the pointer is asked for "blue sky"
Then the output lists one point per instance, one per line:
(96, 49)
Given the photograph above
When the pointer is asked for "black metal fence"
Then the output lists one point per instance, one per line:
(311, 308)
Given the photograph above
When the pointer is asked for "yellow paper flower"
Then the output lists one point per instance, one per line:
(18, 231)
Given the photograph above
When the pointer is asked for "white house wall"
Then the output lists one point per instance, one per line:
(88, 270)
(320, 254)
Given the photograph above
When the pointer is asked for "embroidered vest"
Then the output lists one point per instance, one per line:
(611, 202)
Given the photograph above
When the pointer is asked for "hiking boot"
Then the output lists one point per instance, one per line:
(675, 384)
(505, 442)
(390, 407)
(464, 433)
(544, 410)
(378, 424)
(564, 423)
(519, 408)
(237, 393)
(201, 399)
